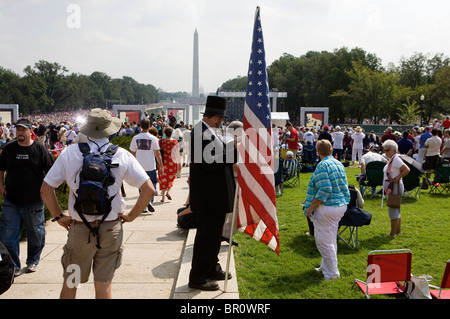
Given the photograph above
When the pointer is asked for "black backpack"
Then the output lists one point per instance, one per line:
(92, 195)
(7, 269)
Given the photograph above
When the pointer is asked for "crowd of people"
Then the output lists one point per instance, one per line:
(159, 147)
(327, 198)
(26, 155)
(351, 143)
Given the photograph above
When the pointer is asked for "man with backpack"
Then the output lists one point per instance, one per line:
(94, 172)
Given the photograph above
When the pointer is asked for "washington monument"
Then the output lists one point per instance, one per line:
(195, 80)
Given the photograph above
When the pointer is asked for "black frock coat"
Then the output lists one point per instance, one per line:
(212, 191)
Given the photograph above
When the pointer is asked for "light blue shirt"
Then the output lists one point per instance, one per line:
(328, 184)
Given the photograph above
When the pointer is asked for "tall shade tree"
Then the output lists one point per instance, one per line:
(370, 94)
(53, 76)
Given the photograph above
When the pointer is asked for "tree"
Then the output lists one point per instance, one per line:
(82, 92)
(311, 79)
(442, 81)
(409, 113)
(370, 93)
(53, 76)
(238, 84)
(28, 92)
(420, 69)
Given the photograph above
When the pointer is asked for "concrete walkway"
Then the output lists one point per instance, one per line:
(156, 260)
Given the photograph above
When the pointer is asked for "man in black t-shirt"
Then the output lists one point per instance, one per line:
(325, 135)
(25, 164)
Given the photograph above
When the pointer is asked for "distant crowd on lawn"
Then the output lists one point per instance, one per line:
(344, 139)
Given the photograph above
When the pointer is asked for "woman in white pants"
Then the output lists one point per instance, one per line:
(326, 202)
(357, 148)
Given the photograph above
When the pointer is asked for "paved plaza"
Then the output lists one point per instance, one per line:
(156, 260)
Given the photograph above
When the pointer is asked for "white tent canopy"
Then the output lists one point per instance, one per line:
(280, 118)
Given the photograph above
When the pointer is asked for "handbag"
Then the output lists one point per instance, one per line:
(417, 288)
(394, 200)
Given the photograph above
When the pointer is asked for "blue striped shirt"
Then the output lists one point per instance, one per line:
(328, 184)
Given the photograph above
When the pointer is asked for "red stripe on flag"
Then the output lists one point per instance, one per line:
(249, 199)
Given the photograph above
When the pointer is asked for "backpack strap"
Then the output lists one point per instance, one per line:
(94, 230)
(111, 150)
(84, 148)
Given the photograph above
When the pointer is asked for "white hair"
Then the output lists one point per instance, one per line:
(390, 144)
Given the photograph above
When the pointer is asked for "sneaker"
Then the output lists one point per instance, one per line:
(150, 207)
(17, 272)
(31, 268)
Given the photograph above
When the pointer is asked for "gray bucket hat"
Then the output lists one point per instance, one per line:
(100, 123)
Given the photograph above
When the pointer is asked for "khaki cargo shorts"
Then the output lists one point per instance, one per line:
(79, 256)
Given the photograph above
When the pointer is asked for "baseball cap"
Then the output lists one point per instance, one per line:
(24, 123)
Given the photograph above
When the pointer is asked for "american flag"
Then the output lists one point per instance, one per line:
(257, 202)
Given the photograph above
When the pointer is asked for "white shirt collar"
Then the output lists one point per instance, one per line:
(213, 130)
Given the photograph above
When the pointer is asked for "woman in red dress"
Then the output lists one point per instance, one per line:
(170, 150)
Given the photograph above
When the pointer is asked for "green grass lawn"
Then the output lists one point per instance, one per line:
(291, 275)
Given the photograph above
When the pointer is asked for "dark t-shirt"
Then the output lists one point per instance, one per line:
(53, 132)
(41, 130)
(325, 136)
(25, 168)
(404, 145)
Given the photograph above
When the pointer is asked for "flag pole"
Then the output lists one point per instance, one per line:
(230, 241)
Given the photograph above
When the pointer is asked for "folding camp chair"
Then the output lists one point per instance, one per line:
(385, 270)
(353, 218)
(352, 237)
(290, 171)
(441, 180)
(374, 178)
(438, 292)
(411, 182)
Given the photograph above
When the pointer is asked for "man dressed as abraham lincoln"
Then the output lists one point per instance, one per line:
(212, 190)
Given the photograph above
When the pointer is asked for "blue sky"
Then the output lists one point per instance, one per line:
(152, 40)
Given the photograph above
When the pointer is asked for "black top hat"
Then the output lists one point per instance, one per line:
(215, 105)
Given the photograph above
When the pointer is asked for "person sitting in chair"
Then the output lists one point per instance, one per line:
(372, 156)
(290, 166)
